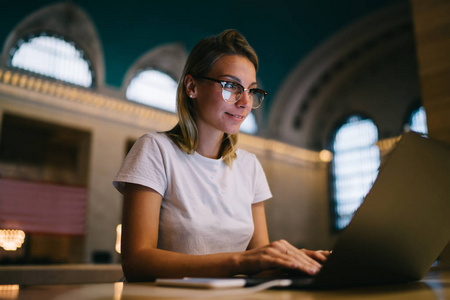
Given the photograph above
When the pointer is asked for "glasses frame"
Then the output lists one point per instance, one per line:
(224, 83)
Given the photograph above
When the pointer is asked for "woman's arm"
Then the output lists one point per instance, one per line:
(260, 235)
(142, 261)
(308, 261)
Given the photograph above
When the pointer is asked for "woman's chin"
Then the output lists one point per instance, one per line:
(232, 131)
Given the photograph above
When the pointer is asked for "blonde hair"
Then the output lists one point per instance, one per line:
(199, 62)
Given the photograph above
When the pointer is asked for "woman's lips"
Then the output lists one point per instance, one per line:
(236, 116)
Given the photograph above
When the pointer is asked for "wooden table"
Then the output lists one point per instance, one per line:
(436, 285)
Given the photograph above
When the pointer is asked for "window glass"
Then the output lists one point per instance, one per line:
(153, 88)
(355, 166)
(418, 121)
(249, 125)
(53, 57)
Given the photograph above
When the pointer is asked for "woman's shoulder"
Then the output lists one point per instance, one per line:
(243, 157)
(152, 141)
(244, 153)
(154, 137)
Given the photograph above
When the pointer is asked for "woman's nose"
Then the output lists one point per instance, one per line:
(246, 99)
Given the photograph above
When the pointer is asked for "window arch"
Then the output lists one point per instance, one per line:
(65, 29)
(52, 56)
(154, 88)
(152, 79)
(418, 121)
(355, 164)
(343, 75)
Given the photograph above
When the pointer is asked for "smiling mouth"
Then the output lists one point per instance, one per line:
(236, 116)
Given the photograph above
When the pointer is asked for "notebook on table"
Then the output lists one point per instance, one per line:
(402, 225)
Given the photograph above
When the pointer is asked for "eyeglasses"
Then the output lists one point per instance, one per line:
(232, 92)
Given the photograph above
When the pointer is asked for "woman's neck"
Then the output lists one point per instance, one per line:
(209, 145)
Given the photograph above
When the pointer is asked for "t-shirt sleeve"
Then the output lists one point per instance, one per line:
(262, 189)
(143, 165)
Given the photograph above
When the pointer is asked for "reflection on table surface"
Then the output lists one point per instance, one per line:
(436, 285)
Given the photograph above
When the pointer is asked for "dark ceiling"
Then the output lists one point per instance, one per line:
(282, 32)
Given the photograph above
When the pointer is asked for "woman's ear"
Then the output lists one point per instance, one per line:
(191, 86)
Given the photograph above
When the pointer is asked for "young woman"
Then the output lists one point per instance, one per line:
(194, 203)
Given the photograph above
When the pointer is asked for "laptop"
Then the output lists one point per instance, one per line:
(402, 225)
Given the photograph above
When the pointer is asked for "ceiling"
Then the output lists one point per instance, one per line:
(282, 32)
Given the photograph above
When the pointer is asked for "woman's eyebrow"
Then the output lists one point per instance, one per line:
(238, 80)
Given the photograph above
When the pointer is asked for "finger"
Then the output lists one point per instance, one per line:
(310, 256)
(276, 260)
(299, 255)
(325, 253)
(319, 255)
(283, 246)
(263, 258)
(287, 256)
(307, 264)
(294, 258)
(304, 262)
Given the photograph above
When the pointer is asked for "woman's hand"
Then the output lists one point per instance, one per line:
(282, 255)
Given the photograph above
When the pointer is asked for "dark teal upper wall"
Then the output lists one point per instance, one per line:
(282, 31)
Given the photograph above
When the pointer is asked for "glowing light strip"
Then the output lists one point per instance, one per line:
(11, 239)
(118, 238)
(9, 291)
(80, 95)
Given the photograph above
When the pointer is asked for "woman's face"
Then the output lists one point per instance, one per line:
(213, 114)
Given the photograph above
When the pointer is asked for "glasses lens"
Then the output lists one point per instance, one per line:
(258, 97)
(231, 91)
(226, 94)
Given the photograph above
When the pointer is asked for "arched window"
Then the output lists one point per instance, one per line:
(418, 121)
(153, 88)
(355, 166)
(54, 57)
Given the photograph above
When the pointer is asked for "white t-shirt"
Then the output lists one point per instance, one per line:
(206, 205)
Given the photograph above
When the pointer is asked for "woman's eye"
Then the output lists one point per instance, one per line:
(230, 85)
